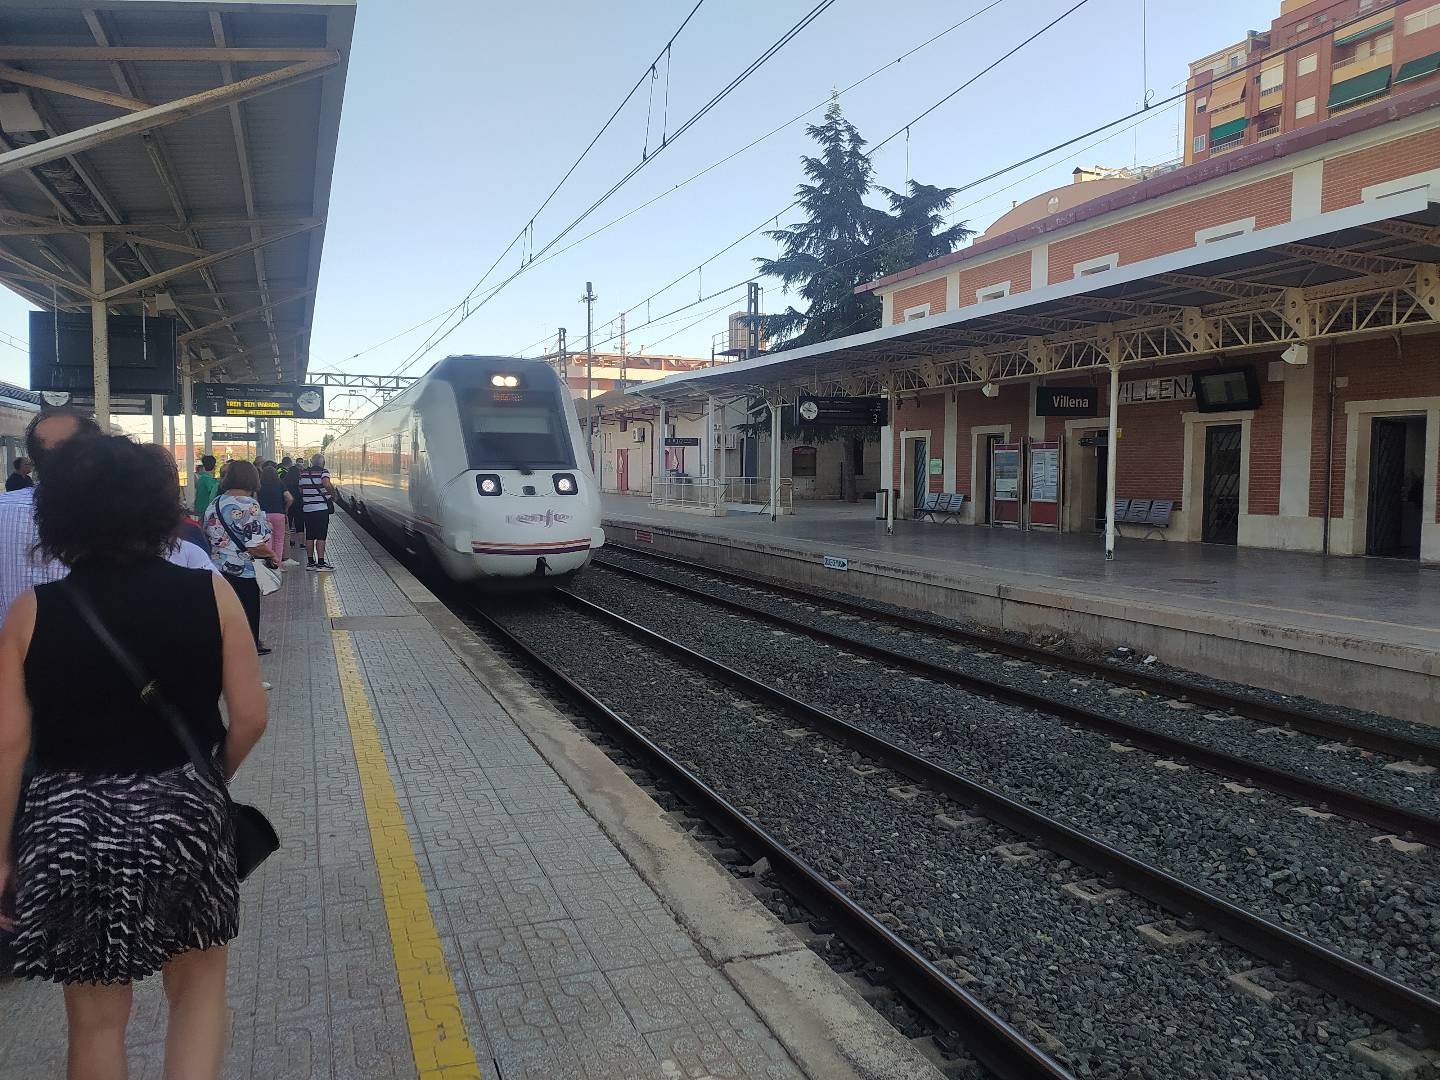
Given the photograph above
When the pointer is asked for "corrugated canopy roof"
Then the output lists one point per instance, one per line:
(1367, 269)
(199, 138)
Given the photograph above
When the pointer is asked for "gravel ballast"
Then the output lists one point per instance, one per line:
(1324, 879)
(699, 577)
(1073, 974)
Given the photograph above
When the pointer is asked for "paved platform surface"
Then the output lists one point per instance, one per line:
(1390, 601)
(443, 906)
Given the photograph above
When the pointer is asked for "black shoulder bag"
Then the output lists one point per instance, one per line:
(255, 838)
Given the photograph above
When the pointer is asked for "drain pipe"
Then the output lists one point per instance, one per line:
(1329, 451)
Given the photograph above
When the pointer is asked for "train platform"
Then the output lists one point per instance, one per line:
(1357, 632)
(468, 888)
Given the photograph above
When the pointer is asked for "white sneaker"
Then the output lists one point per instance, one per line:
(265, 685)
(289, 562)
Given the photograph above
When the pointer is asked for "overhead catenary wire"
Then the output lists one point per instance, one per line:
(775, 47)
(1146, 110)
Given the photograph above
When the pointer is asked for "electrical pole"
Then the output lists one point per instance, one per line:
(564, 360)
(752, 320)
(589, 301)
(622, 350)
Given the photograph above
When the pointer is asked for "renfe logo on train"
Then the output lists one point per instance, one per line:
(547, 519)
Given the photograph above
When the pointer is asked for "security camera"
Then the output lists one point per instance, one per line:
(1297, 355)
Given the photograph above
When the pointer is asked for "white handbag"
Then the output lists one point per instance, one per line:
(267, 579)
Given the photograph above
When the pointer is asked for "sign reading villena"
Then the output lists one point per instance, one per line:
(1067, 400)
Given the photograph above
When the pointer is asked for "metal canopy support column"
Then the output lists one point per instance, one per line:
(774, 457)
(657, 466)
(888, 458)
(171, 441)
(707, 458)
(1111, 454)
(187, 407)
(99, 332)
(208, 446)
(157, 419)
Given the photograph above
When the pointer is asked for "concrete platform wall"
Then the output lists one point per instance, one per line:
(1376, 676)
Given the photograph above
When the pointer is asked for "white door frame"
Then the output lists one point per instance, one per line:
(1347, 533)
(1190, 525)
(906, 495)
(978, 433)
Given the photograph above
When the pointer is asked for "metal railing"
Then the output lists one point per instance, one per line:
(687, 493)
(1226, 145)
(1266, 132)
(1358, 57)
(755, 490)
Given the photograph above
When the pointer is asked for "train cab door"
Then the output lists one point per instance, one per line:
(419, 465)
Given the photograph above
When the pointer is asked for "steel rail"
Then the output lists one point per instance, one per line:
(1391, 817)
(1296, 717)
(993, 1041)
(1414, 1013)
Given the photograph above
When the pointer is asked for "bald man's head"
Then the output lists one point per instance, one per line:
(49, 429)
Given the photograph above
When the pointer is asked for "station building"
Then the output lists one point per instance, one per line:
(1289, 280)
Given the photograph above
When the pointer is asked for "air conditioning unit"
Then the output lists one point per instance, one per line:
(637, 434)
(727, 440)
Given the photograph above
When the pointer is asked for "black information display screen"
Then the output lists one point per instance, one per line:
(1226, 390)
(289, 401)
(62, 358)
(844, 411)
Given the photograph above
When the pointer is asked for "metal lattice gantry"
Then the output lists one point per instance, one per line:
(1365, 270)
(384, 385)
(174, 159)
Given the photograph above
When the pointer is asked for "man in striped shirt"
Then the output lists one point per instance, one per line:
(316, 495)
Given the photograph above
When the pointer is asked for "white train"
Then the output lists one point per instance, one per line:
(481, 464)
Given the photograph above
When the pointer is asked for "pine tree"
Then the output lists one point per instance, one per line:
(914, 231)
(825, 256)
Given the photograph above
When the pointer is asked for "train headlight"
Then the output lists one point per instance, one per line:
(504, 380)
(488, 484)
(565, 484)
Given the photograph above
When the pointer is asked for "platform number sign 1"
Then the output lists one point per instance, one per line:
(836, 562)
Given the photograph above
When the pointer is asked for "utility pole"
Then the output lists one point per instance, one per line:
(752, 320)
(564, 359)
(589, 301)
(622, 350)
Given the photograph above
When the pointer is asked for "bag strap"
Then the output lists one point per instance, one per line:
(234, 538)
(149, 689)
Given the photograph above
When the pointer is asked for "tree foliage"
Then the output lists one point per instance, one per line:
(844, 242)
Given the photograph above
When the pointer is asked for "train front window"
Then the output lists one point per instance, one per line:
(516, 429)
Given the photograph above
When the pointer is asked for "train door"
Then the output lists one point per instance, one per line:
(622, 470)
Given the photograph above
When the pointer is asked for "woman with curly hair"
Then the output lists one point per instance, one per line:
(123, 863)
(239, 534)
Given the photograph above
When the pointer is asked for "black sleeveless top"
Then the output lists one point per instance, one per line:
(86, 715)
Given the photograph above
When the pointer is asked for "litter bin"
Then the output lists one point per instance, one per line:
(881, 498)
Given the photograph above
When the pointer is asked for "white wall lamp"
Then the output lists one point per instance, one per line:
(1297, 355)
(990, 389)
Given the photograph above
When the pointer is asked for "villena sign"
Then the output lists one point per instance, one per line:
(1067, 400)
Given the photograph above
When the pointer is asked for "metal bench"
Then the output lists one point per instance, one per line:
(1153, 515)
(927, 506)
(943, 506)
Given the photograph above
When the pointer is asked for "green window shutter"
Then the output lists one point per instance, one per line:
(1224, 131)
(1351, 91)
(1379, 27)
(1418, 68)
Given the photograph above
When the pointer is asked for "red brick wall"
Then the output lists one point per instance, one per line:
(1014, 269)
(1345, 176)
(928, 292)
(1012, 407)
(920, 414)
(1374, 373)
(1174, 229)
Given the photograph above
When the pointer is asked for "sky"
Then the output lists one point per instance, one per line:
(460, 116)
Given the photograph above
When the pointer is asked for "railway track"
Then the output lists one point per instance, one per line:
(1000, 1046)
(1295, 716)
(1405, 822)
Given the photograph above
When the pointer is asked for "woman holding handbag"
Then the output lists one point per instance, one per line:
(239, 534)
(125, 861)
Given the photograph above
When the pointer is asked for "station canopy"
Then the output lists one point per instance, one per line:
(197, 140)
(1366, 270)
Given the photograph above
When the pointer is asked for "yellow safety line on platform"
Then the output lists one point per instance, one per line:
(432, 1005)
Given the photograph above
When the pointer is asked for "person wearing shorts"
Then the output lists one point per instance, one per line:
(316, 495)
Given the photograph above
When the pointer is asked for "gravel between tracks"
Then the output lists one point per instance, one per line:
(700, 576)
(1353, 769)
(1325, 879)
(1119, 1007)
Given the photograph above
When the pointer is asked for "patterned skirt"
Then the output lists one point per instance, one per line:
(115, 875)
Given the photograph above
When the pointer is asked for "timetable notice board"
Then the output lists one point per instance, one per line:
(1045, 485)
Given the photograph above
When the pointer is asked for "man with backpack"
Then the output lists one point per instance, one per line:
(317, 503)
